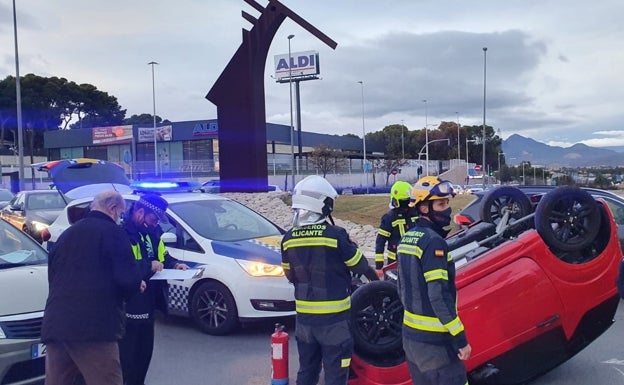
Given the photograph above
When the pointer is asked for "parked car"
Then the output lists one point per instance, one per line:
(23, 294)
(5, 197)
(536, 285)
(212, 186)
(33, 211)
(473, 211)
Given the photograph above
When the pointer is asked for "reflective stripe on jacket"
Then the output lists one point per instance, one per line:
(394, 224)
(317, 259)
(427, 288)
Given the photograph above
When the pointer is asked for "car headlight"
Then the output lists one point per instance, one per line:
(260, 269)
(39, 226)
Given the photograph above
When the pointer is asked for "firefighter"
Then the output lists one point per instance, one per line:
(434, 339)
(400, 218)
(141, 225)
(318, 257)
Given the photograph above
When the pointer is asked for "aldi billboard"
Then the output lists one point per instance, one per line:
(302, 64)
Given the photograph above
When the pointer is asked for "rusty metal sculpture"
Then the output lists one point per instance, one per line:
(238, 94)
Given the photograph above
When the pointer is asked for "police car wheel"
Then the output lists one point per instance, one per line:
(213, 309)
(568, 219)
(377, 319)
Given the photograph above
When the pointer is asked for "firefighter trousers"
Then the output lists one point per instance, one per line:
(329, 346)
(431, 364)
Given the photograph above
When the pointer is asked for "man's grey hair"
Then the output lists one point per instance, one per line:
(105, 199)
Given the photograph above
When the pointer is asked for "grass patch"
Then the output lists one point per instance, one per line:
(368, 209)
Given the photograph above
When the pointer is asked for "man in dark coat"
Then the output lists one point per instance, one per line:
(91, 273)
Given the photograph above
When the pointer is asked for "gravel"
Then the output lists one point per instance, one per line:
(272, 206)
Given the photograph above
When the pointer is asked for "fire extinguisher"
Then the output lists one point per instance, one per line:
(279, 356)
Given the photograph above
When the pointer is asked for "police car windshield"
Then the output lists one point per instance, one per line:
(224, 220)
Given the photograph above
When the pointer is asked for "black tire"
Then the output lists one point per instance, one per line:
(568, 219)
(377, 319)
(505, 199)
(213, 309)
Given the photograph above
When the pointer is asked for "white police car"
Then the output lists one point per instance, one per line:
(237, 248)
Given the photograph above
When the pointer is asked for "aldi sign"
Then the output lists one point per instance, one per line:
(302, 64)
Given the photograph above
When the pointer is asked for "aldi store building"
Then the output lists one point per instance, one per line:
(190, 148)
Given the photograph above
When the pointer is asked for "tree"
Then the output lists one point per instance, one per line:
(144, 119)
(48, 103)
(326, 159)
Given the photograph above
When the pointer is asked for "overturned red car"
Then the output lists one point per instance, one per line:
(536, 285)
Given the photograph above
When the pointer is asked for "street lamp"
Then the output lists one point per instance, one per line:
(426, 138)
(467, 164)
(18, 95)
(499, 154)
(484, 78)
(447, 140)
(292, 129)
(402, 141)
(152, 63)
(364, 138)
(523, 180)
(458, 144)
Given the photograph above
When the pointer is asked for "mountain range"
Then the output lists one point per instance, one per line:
(518, 148)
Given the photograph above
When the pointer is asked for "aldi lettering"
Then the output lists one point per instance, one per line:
(302, 64)
(204, 129)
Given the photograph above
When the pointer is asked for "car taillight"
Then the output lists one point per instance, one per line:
(45, 235)
(462, 220)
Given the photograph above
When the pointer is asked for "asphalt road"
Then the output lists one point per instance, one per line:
(185, 356)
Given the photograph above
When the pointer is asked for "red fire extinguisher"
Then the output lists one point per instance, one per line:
(279, 356)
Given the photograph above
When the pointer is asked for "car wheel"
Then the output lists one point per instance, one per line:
(505, 200)
(213, 309)
(377, 319)
(567, 219)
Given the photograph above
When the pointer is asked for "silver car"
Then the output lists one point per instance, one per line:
(23, 293)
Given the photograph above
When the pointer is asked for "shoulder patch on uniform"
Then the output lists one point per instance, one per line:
(439, 253)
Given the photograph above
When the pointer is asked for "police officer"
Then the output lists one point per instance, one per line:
(400, 218)
(434, 340)
(141, 224)
(317, 257)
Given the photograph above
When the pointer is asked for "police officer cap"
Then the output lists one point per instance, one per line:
(154, 203)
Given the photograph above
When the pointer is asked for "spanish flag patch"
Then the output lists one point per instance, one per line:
(439, 253)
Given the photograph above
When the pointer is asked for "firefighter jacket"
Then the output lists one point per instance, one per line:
(427, 289)
(318, 260)
(393, 226)
(147, 247)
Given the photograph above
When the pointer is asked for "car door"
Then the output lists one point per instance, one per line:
(14, 211)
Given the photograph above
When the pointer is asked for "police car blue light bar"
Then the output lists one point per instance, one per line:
(164, 186)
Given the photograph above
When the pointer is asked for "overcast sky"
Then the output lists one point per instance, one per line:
(554, 68)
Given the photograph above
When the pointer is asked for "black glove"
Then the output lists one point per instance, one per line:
(379, 265)
(371, 274)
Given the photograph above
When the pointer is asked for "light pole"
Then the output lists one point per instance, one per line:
(447, 140)
(426, 139)
(458, 143)
(402, 141)
(523, 180)
(364, 137)
(292, 129)
(467, 164)
(499, 154)
(484, 79)
(152, 63)
(18, 95)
